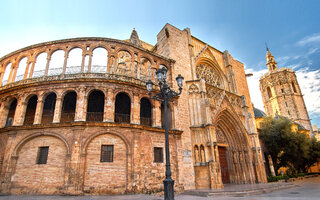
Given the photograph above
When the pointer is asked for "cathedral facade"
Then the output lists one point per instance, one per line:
(281, 94)
(75, 117)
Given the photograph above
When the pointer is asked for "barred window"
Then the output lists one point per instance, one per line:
(42, 155)
(158, 154)
(106, 153)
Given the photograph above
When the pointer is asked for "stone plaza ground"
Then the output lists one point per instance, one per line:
(302, 189)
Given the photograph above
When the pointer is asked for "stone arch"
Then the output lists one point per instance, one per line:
(235, 155)
(122, 112)
(99, 59)
(34, 135)
(40, 64)
(118, 168)
(31, 174)
(145, 111)
(120, 135)
(74, 60)
(95, 105)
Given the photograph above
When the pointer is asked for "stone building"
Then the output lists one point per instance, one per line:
(281, 94)
(75, 117)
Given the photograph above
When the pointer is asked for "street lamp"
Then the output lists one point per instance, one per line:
(165, 95)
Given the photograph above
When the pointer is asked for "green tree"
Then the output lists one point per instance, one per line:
(287, 148)
(275, 134)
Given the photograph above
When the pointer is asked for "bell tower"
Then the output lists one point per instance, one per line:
(281, 93)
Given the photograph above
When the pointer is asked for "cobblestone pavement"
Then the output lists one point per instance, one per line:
(308, 189)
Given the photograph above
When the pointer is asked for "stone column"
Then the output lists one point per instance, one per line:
(39, 110)
(23, 108)
(83, 62)
(1, 75)
(47, 65)
(57, 110)
(81, 107)
(156, 114)
(8, 164)
(74, 179)
(4, 110)
(109, 107)
(10, 75)
(16, 66)
(32, 68)
(17, 114)
(27, 70)
(135, 110)
(66, 55)
(90, 62)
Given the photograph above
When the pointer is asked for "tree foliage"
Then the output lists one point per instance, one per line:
(287, 148)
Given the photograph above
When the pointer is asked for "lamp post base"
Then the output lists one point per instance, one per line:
(168, 189)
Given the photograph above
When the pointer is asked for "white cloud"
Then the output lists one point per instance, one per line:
(309, 82)
(309, 39)
(253, 84)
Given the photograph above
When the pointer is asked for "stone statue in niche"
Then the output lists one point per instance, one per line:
(124, 63)
(196, 154)
(145, 70)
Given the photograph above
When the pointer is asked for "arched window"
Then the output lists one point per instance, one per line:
(169, 116)
(74, 61)
(196, 154)
(202, 154)
(145, 69)
(31, 110)
(293, 87)
(12, 110)
(269, 92)
(69, 107)
(95, 106)
(40, 65)
(6, 74)
(122, 108)
(21, 69)
(99, 60)
(145, 112)
(56, 63)
(48, 108)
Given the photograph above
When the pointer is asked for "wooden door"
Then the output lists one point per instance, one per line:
(224, 164)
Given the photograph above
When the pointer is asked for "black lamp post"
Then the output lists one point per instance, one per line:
(165, 95)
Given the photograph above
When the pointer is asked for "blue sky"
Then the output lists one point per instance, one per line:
(291, 28)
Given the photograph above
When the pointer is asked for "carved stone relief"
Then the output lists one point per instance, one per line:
(210, 75)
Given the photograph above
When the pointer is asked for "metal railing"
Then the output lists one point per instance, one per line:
(94, 116)
(147, 121)
(28, 120)
(47, 118)
(122, 118)
(67, 117)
